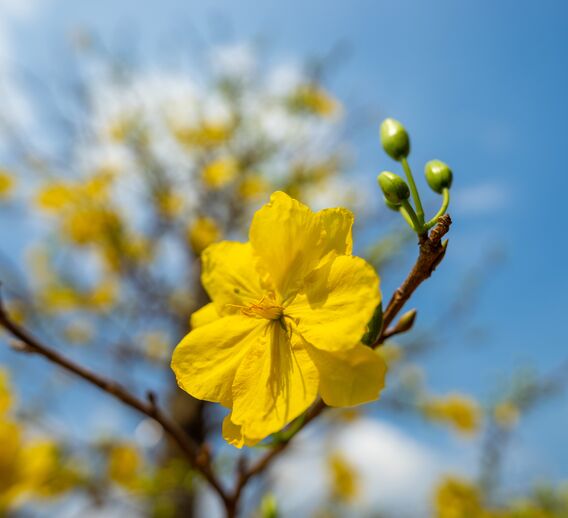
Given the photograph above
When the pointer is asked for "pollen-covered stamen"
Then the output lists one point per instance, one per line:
(264, 308)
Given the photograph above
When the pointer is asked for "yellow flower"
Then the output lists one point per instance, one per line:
(344, 480)
(506, 414)
(289, 309)
(457, 498)
(121, 128)
(206, 135)
(316, 100)
(202, 233)
(124, 463)
(55, 196)
(156, 345)
(5, 393)
(6, 184)
(38, 465)
(457, 410)
(220, 172)
(169, 204)
(252, 187)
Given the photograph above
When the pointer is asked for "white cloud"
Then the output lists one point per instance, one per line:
(238, 60)
(397, 472)
(16, 109)
(18, 8)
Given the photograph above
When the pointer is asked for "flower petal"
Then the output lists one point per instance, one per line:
(233, 434)
(274, 384)
(206, 360)
(351, 377)
(229, 276)
(337, 302)
(290, 240)
(204, 316)
(337, 224)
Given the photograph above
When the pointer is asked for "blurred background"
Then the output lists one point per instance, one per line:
(134, 134)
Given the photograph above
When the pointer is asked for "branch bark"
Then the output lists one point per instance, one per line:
(431, 252)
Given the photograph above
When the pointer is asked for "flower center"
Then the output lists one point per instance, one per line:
(265, 308)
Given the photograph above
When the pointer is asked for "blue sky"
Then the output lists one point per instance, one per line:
(481, 85)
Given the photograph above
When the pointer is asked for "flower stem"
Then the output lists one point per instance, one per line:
(413, 191)
(410, 216)
(443, 209)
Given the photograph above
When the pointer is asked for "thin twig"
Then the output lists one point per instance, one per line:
(431, 252)
(150, 407)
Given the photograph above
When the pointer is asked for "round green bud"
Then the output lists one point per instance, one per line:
(394, 187)
(438, 175)
(394, 139)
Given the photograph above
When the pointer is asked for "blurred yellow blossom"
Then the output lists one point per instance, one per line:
(6, 184)
(208, 134)
(5, 393)
(17, 311)
(121, 128)
(457, 410)
(344, 478)
(78, 332)
(169, 204)
(506, 414)
(156, 345)
(252, 187)
(55, 196)
(220, 172)
(124, 464)
(391, 353)
(457, 498)
(57, 296)
(90, 224)
(202, 233)
(28, 469)
(316, 100)
(103, 296)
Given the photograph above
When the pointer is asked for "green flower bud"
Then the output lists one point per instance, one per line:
(394, 187)
(438, 175)
(394, 139)
(269, 507)
(406, 321)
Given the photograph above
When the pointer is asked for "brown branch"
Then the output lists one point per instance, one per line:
(431, 252)
(148, 407)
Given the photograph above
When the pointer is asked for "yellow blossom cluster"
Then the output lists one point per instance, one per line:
(314, 99)
(28, 469)
(456, 497)
(6, 184)
(124, 465)
(459, 411)
(344, 478)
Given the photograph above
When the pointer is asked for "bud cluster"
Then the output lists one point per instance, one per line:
(397, 192)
